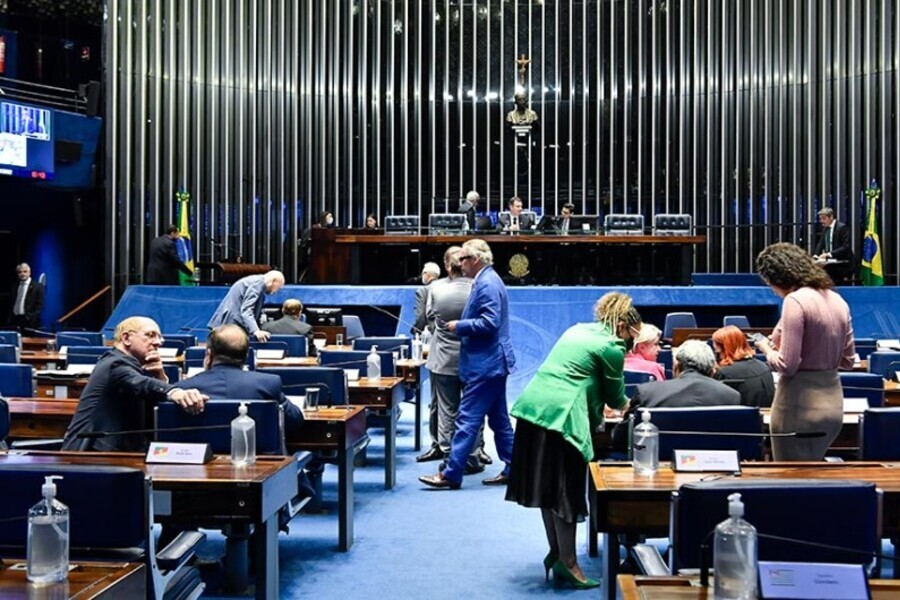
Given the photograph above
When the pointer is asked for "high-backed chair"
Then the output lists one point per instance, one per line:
(185, 338)
(15, 381)
(297, 345)
(681, 320)
(11, 337)
(878, 439)
(665, 359)
(115, 525)
(267, 414)
(739, 321)
(383, 343)
(177, 344)
(79, 338)
(727, 419)
(884, 362)
(634, 379)
(356, 359)
(353, 327)
(173, 372)
(331, 381)
(864, 385)
(254, 345)
(865, 346)
(788, 508)
(193, 357)
(8, 354)
(85, 355)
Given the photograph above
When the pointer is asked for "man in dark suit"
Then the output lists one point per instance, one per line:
(430, 272)
(485, 360)
(243, 305)
(224, 377)
(834, 244)
(28, 300)
(469, 206)
(515, 220)
(693, 385)
(164, 263)
(290, 324)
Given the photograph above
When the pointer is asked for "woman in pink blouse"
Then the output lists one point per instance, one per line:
(642, 357)
(811, 342)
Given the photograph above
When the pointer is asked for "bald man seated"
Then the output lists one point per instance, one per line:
(125, 383)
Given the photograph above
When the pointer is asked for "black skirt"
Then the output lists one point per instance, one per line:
(547, 472)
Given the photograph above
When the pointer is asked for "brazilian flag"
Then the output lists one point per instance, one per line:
(872, 272)
(183, 243)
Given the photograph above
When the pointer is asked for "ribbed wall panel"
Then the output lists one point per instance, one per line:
(748, 114)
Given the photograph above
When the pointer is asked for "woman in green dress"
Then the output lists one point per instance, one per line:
(557, 413)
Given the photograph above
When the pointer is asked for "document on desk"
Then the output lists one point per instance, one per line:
(67, 373)
(812, 581)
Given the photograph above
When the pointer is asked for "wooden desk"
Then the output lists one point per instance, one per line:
(59, 386)
(35, 342)
(680, 334)
(382, 397)
(37, 418)
(891, 393)
(685, 588)
(87, 580)
(622, 502)
(340, 429)
(40, 359)
(216, 495)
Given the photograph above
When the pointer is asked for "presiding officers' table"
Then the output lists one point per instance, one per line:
(622, 502)
(216, 495)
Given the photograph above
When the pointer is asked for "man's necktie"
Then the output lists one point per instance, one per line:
(20, 298)
(828, 240)
(515, 221)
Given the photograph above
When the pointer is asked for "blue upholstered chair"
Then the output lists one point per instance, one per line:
(187, 339)
(15, 381)
(679, 320)
(634, 379)
(865, 346)
(193, 357)
(383, 343)
(864, 385)
(356, 359)
(116, 525)
(331, 381)
(884, 362)
(788, 508)
(878, 439)
(173, 372)
(254, 346)
(665, 359)
(730, 419)
(268, 415)
(10, 337)
(177, 344)
(296, 344)
(85, 355)
(8, 354)
(79, 338)
(353, 326)
(739, 321)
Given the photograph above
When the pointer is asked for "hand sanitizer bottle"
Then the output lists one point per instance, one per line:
(243, 438)
(48, 537)
(646, 446)
(373, 364)
(734, 555)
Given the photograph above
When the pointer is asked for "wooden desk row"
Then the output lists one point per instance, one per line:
(685, 588)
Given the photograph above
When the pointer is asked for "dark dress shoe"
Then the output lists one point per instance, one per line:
(500, 479)
(484, 457)
(473, 469)
(433, 453)
(437, 481)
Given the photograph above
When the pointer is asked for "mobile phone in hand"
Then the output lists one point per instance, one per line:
(755, 337)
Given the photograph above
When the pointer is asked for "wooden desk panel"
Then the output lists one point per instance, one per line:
(681, 334)
(637, 587)
(88, 580)
(36, 418)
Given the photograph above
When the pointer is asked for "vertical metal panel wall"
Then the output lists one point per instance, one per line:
(748, 114)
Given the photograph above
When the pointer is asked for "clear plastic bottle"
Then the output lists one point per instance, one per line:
(243, 438)
(373, 364)
(48, 537)
(646, 446)
(417, 347)
(734, 555)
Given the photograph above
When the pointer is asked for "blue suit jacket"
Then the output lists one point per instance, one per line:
(483, 329)
(243, 305)
(230, 382)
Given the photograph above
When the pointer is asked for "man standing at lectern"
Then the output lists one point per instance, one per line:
(834, 244)
(164, 263)
(28, 300)
(243, 305)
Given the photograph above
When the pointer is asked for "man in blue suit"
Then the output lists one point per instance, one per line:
(485, 360)
(224, 377)
(243, 305)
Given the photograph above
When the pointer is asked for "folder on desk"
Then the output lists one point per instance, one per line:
(269, 354)
(855, 405)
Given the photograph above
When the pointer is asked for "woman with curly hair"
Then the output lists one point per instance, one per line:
(557, 412)
(813, 339)
(739, 368)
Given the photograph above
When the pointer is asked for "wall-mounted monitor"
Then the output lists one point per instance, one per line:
(26, 141)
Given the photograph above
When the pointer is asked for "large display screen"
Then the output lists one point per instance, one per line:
(26, 141)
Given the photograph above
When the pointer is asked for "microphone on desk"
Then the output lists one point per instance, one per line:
(93, 435)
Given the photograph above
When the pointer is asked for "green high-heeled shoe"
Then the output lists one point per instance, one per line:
(548, 564)
(562, 574)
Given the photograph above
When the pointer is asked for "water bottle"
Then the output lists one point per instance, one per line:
(243, 438)
(48, 537)
(646, 446)
(373, 364)
(734, 555)
(417, 348)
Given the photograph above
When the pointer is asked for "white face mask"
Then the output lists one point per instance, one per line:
(329, 221)
(425, 279)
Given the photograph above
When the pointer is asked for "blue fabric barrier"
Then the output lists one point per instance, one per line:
(729, 279)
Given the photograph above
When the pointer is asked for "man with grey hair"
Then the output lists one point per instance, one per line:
(833, 244)
(28, 300)
(693, 385)
(470, 207)
(243, 305)
(430, 272)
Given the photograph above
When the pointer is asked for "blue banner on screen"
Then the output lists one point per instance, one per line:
(26, 141)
